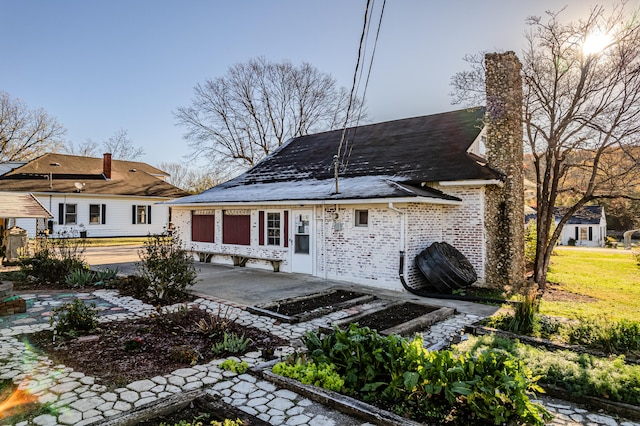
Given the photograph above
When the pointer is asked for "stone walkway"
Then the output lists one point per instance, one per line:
(81, 400)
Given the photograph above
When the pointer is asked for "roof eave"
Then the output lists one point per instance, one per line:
(419, 199)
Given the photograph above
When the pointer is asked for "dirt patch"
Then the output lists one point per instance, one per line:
(394, 315)
(121, 352)
(308, 304)
(555, 293)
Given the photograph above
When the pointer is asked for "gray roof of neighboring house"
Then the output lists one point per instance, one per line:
(127, 177)
(587, 215)
(384, 160)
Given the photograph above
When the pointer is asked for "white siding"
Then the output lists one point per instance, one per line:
(118, 215)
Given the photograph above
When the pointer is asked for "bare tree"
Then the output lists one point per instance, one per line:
(581, 114)
(257, 106)
(121, 147)
(195, 180)
(26, 133)
(88, 148)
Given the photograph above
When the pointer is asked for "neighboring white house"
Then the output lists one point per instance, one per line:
(98, 197)
(586, 227)
(402, 185)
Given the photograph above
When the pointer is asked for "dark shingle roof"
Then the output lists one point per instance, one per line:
(379, 157)
(127, 177)
(427, 148)
(587, 215)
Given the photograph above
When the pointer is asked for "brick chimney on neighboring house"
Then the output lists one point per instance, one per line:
(106, 165)
(504, 213)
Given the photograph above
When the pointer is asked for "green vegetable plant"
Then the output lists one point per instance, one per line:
(490, 386)
(231, 364)
(309, 373)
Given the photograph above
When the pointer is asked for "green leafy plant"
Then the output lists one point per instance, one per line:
(231, 364)
(322, 375)
(74, 318)
(440, 387)
(79, 278)
(231, 343)
(166, 266)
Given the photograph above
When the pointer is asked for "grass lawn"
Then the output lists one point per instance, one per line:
(612, 277)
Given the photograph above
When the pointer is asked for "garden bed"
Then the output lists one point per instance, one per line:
(190, 406)
(478, 329)
(399, 317)
(305, 308)
(121, 352)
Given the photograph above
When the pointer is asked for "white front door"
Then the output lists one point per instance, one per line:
(302, 243)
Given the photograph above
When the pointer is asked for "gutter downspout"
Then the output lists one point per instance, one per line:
(403, 247)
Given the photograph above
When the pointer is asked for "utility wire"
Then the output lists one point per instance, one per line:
(355, 76)
(366, 85)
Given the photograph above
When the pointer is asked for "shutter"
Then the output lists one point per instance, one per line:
(149, 215)
(60, 214)
(133, 215)
(261, 227)
(577, 233)
(286, 228)
(103, 216)
(591, 233)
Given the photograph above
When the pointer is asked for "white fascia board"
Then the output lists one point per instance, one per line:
(113, 196)
(475, 182)
(424, 200)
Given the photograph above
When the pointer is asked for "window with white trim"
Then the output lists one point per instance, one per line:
(70, 214)
(141, 215)
(273, 229)
(97, 214)
(362, 218)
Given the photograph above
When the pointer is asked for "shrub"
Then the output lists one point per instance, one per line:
(636, 254)
(618, 337)
(167, 267)
(489, 386)
(234, 366)
(309, 373)
(55, 258)
(231, 343)
(74, 318)
(571, 242)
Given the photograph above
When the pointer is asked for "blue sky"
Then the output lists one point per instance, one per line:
(101, 66)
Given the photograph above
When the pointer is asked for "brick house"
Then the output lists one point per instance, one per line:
(401, 186)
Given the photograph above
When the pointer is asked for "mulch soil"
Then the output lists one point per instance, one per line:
(394, 315)
(165, 343)
(305, 305)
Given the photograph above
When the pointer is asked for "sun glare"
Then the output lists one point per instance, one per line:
(596, 43)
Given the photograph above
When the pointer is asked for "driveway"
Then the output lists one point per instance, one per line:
(250, 286)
